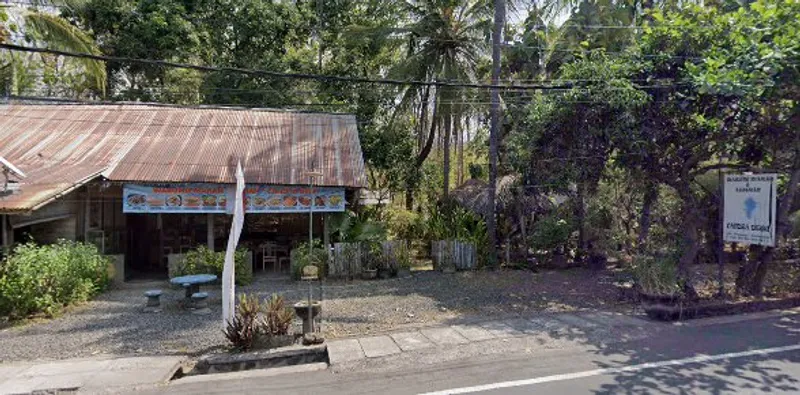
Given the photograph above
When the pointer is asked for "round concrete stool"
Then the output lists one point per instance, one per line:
(200, 303)
(153, 301)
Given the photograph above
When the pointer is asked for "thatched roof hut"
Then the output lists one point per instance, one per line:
(474, 196)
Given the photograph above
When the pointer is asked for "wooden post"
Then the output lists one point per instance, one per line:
(87, 208)
(210, 231)
(160, 227)
(326, 232)
(4, 226)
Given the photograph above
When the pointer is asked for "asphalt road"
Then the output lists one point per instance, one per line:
(756, 356)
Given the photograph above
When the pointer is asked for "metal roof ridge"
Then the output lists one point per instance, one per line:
(26, 101)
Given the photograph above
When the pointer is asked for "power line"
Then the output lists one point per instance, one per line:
(273, 74)
(508, 100)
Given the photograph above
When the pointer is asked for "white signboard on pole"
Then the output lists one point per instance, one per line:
(749, 209)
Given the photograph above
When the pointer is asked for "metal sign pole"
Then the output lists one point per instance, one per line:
(310, 249)
(721, 252)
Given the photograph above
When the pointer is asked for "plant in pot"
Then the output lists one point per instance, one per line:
(371, 260)
(448, 259)
(403, 257)
(302, 256)
(350, 259)
(377, 260)
(656, 277)
(382, 262)
(370, 271)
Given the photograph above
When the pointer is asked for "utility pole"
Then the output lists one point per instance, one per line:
(497, 36)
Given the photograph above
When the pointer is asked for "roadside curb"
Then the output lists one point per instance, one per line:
(576, 324)
(731, 319)
(89, 375)
(248, 374)
(293, 355)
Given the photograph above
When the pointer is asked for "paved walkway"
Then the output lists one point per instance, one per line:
(92, 375)
(572, 325)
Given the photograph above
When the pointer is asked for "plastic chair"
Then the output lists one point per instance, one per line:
(268, 256)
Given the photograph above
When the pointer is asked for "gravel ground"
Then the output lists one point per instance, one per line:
(114, 324)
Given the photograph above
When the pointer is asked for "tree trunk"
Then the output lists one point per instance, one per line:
(426, 149)
(650, 197)
(497, 35)
(411, 183)
(423, 117)
(580, 216)
(448, 125)
(460, 148)
(746, 284)
(690, 245)
(751, 276)
(522, 228)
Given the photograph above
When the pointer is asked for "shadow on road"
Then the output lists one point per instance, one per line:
(734, 375)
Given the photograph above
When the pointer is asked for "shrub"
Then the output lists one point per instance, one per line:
(242, 331)
(403, 224)
(203, 260)
(794, 220)
(550, 233)
(351, 227)
(301, 257)
(657, 274)
(277, 317)
(457, 223)
(403, 257)
(373, 256)
(36, 279)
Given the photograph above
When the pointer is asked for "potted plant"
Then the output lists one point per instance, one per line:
(303, 256)
(656, 278)
(379, 260)
(448, 260)
(370, 272)
(372, 261)
(403, 262)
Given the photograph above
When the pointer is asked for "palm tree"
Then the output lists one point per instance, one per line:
(443, 41)
(45, 28)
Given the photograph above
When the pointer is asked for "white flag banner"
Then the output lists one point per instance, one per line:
(229, 272)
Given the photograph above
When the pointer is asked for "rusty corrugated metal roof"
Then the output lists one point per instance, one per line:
(64, 145)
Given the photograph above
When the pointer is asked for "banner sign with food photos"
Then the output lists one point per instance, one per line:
(212, 198)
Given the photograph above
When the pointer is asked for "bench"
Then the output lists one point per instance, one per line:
(200, 303)
(153, 301)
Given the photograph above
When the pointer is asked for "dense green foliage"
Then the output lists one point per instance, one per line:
(303, 256)
(551, 233)
(657, 274)
(642, 103)
(202, 260)
(350, 227)
(23, 75)
(44, 279)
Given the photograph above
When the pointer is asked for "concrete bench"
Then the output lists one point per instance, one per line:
(200, 303)
(153, 301)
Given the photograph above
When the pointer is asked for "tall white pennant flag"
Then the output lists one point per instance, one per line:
(229, 272)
